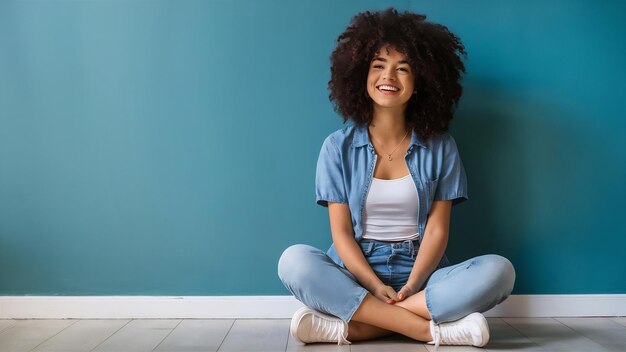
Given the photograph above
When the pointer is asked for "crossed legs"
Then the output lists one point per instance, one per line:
(318, 282)
(375, 318)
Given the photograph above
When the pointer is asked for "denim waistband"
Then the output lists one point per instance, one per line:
(389, 242)
(368, 246)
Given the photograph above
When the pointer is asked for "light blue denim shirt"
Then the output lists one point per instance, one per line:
(346, 166)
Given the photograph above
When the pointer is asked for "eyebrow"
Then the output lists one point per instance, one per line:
(385, 60)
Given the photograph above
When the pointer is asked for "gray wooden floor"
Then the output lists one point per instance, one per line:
(507, 334)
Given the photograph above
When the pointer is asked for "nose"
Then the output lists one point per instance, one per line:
(389, 74)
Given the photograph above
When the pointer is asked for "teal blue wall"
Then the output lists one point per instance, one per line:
(169, 147)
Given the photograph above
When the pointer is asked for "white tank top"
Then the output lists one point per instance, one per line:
(391, 210)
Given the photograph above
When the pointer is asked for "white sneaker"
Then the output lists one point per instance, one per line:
(471, 330)
(308, 325)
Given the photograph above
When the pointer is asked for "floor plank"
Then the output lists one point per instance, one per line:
(619, 320)
(395, 343)
(6, 323)
(84, 335)
(194, 335)
(552, 335)
(604, 331)
(174, 335)
(431, 348)
(257, 335)
(25, 335)
(138, 336)
(505, 338)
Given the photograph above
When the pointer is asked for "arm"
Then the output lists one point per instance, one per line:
(431, 249)
(350, 253)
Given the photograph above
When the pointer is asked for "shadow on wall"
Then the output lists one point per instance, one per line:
(493, 154)
(530, 167)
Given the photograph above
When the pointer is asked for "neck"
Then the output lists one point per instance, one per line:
(388, 126)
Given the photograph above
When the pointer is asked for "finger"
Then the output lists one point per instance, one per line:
(403, 294)
(385, 296)
(392, 294)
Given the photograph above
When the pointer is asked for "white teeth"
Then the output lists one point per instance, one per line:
(391, 88)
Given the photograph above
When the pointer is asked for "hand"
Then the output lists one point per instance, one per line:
(386, 294)
(406, 292)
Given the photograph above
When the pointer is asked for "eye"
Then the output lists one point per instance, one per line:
(377, 66)
(403, 69)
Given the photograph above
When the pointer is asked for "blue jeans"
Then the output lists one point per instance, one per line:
(452, 292)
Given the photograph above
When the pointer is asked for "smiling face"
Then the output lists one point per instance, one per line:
(390, 79)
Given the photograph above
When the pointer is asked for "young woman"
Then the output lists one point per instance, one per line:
(389, 180)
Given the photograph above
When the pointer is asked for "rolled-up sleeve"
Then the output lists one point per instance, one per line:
(452, 183)
(329, 181)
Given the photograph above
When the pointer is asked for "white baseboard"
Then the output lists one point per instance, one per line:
(268, 307)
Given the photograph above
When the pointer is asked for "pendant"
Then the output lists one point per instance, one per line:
(389, 156)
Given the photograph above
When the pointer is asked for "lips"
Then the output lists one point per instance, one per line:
(388, 89)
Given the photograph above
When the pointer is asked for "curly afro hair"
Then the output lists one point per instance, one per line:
(433, 52)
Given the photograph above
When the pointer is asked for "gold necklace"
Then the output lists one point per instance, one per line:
(394, 149)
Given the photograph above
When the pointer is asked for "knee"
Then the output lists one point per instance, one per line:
(293, 261)
(502, 272)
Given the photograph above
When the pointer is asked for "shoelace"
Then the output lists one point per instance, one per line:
(331, 328)
(455, 335)
(437, 336)
(452, 335)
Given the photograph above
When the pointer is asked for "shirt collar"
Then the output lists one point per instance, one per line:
(361, 137)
